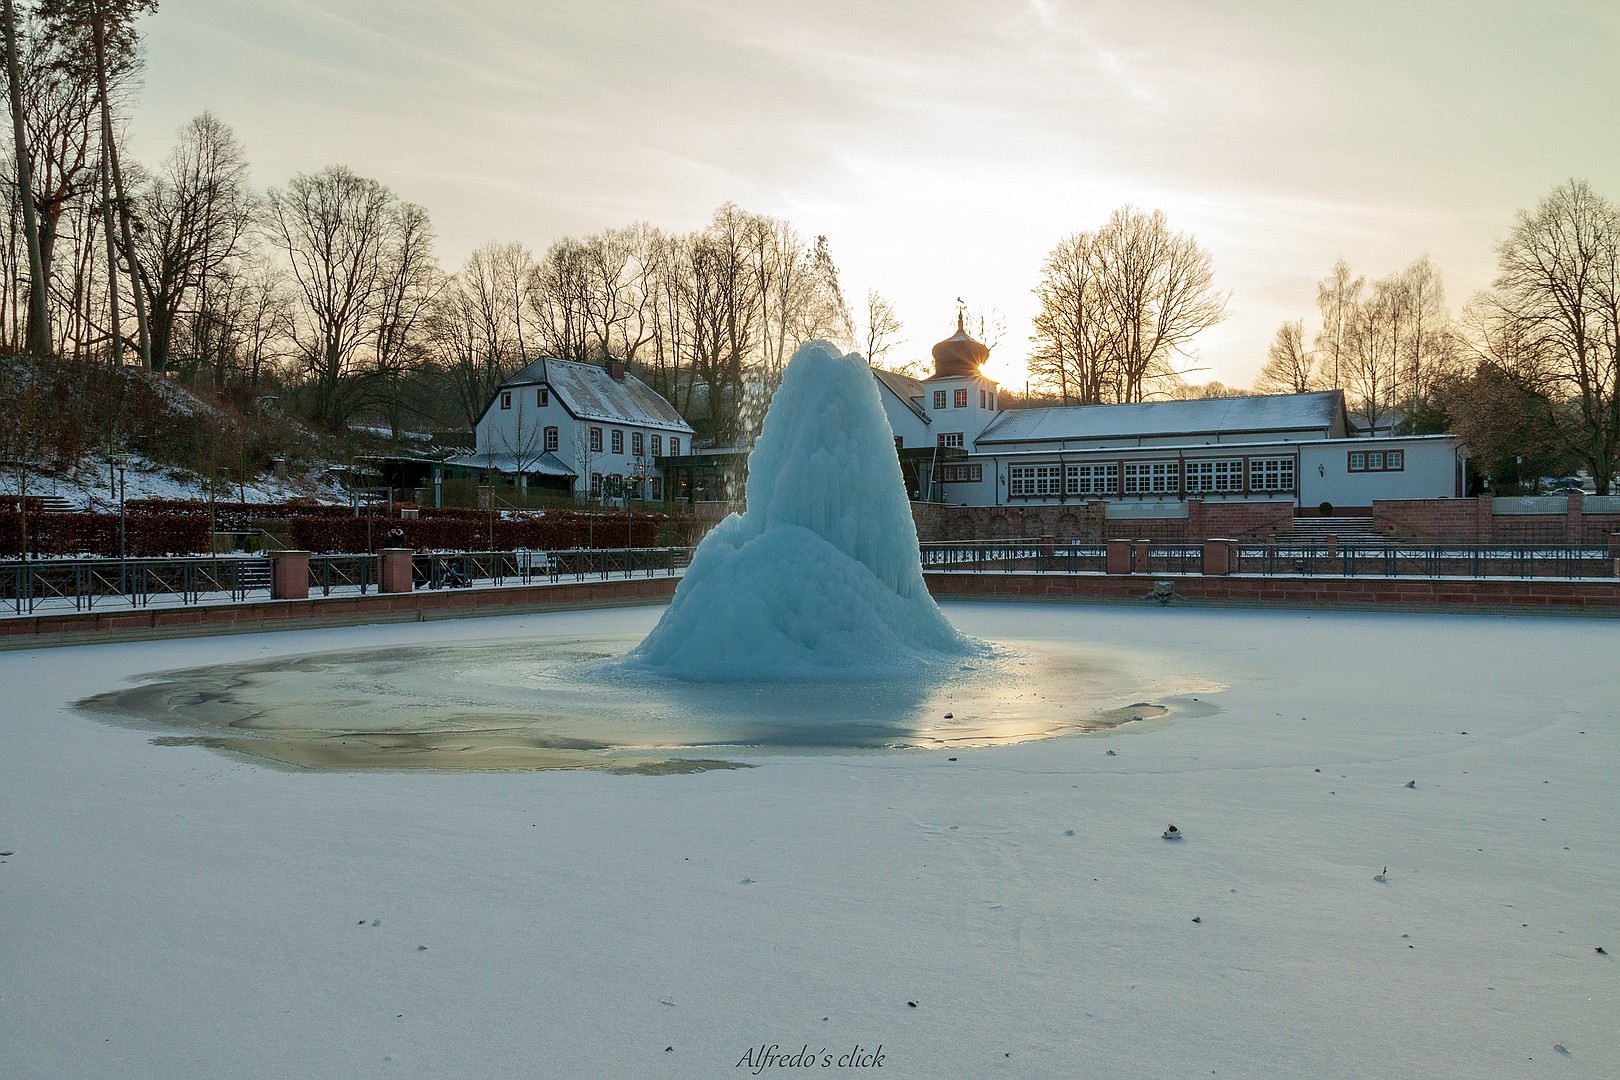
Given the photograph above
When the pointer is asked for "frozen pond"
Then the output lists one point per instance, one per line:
(191, 911)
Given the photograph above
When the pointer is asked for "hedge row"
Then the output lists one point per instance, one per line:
(556, 530)
(145, 535)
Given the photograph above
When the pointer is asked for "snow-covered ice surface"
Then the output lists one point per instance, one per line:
(821, 575)
(169, 911)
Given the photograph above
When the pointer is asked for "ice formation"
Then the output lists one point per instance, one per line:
(820, 575)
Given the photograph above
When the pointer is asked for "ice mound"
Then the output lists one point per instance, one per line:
(820, 576)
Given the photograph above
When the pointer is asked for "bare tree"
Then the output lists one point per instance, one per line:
(195, 215)
(1427, 343)
(1559, 274)
(1337, 297)
(410, 282)
(334, 228)
(39, 325)
(1119, 305)
(1372, 350)
(1076, 336)
(1290, 367)
(478, 322)
(880, 326)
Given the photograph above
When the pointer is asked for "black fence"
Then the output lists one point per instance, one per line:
(36, 585)
(1013, 557)
(1429, 562)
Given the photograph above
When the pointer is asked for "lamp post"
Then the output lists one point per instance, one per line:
(120, 463)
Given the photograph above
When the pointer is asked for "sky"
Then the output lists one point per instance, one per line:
(943, 147)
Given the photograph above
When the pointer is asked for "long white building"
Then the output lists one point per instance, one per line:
(1145, 460)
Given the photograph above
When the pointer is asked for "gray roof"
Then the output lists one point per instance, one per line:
(1205, 416)
(590, 393)
(905, 388)
(547, 464)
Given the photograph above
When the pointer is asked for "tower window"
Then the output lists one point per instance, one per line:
(961, 399)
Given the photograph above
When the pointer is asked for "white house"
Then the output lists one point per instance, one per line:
(1147, 459)
(578, 427)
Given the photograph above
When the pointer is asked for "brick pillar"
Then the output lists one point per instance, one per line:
(1614, 545)
(1572, 521)
(289, 575)
(1218, 557)
(1118, 557)
(1139, 556)
(394, 575)
(1483, 527)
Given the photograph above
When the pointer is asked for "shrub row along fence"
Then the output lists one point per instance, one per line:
(30, 586)
(148, 534)
(97, 534)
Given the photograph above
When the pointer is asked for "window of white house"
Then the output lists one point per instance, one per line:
(1378, 461)
(961, 474)
(992, 401)
(618, 441)
(961, 399)
(981, 397)
(939, 399)
(596, 485)
(657, 446)
(1093, 479)
(551, 439)
(596, 440)
(952, 439)
(1220, 475)
(506, 399)
(1152, 477)
(1271, 474)
(1034, 480)
(542, 397)
(656, 484)
(637, 444)
(674, 447)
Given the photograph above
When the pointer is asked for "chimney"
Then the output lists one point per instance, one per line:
(615, 369)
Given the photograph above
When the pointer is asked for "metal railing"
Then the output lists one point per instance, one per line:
(1363, 560)
(463, 569)
(30, 586)
(82, 584)
(1013, 556)
(1392, 560)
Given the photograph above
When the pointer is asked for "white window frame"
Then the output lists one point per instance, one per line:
(595, 440)
(551, 439)
(939, 400)
(1036, 481)
(1099, 478)
(1220, 475)
(506, 399)
(951, 439)
(1152, 477)
(1271, 474)
(959, 400)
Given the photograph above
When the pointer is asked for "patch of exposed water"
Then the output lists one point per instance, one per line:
(550, 703)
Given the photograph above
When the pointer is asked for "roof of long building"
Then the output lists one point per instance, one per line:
(1206, 416)
(590, 393)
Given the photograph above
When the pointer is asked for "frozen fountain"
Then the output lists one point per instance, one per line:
(819, 576)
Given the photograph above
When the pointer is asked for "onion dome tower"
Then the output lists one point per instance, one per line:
(959, 355)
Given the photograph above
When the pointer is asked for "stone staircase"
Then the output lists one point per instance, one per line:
(1314, 531)
(56, 504)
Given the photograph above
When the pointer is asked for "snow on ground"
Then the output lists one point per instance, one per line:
(92, 485)
(171, 912)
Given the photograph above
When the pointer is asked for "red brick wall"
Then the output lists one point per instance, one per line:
(1472, 521)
